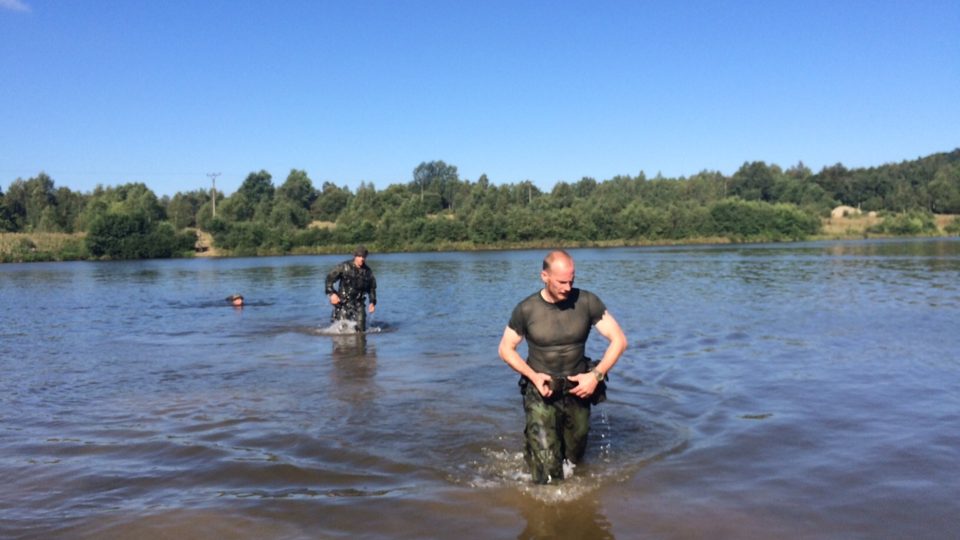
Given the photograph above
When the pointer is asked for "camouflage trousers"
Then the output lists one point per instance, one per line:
(351, 311)
(556, 429)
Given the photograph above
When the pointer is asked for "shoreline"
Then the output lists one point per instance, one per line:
(62, 247)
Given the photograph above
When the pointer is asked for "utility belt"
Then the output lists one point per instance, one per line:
(560, 385)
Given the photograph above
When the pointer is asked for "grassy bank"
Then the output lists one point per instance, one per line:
(865, 226)
(34, 247)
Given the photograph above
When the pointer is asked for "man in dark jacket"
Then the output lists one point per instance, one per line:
(355, 280)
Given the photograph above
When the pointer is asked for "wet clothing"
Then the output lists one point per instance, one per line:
(556, 429)
(556, 334)
(354, 284)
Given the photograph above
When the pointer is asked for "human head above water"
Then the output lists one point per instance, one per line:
(235, 299)
(557, 275)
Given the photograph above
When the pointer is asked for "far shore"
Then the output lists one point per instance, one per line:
(30, 247)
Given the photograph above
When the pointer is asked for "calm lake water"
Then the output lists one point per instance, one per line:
(770, 391)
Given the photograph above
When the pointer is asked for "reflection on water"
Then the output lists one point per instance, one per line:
(581, 518)
(353, 360)
(793, 391)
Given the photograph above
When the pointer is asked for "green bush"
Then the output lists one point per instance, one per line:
(744, 220)
(135, 236)
(910, 223)
(243, 237)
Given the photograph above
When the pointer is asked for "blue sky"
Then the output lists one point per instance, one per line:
(164, 92)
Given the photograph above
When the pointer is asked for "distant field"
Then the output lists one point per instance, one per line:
(945, 219)
(848, 226)
(10, 242)
(21, 247)
(856, 226)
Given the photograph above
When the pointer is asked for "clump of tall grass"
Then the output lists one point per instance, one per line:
(34, 247)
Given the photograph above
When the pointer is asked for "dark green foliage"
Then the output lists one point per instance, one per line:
(184, 209)
(134, 236)
(330, 202)
(746, 220)
(753, 182)
(243, 237)
(6, 223)
(759, 202)
(316, 237)
(437, 180)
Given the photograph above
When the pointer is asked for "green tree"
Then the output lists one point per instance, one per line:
(133, 198)
(837, 181)
(134, 236)
(298, 190)
(286, 214)
(253, 201)
(562, 195)
(638, 221)
(365, 205)
(944, 190)
(437, 177)
(183, 209)
(486, 227)
(705, 187)
(69, 207)
(330, 202)
(16, 202)
(6, 224)
(753, 182)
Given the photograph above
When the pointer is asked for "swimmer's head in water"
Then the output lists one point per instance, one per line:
(235, 299)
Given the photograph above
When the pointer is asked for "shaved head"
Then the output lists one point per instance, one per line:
(557, 275)
(556, 255)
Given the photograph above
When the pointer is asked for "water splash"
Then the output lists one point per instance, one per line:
(618, 448)
(339, 328)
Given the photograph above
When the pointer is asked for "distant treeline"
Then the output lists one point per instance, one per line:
(437, 209)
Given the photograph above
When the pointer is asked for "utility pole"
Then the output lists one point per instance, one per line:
(213, 191)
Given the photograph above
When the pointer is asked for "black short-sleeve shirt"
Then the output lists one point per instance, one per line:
(557, 334)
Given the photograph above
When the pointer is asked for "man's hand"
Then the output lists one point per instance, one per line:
(334, 299)
(372, 308)
(586, 384)
(542, 382)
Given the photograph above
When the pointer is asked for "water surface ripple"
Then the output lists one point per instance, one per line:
(790, 391)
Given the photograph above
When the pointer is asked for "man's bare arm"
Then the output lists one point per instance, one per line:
(508, 353)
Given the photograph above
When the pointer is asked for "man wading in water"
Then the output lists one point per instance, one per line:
(356, 280)
(558, 382)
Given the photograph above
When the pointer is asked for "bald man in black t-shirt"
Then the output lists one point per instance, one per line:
(557, 382)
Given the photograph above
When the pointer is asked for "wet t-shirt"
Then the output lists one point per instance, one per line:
(556, 334)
